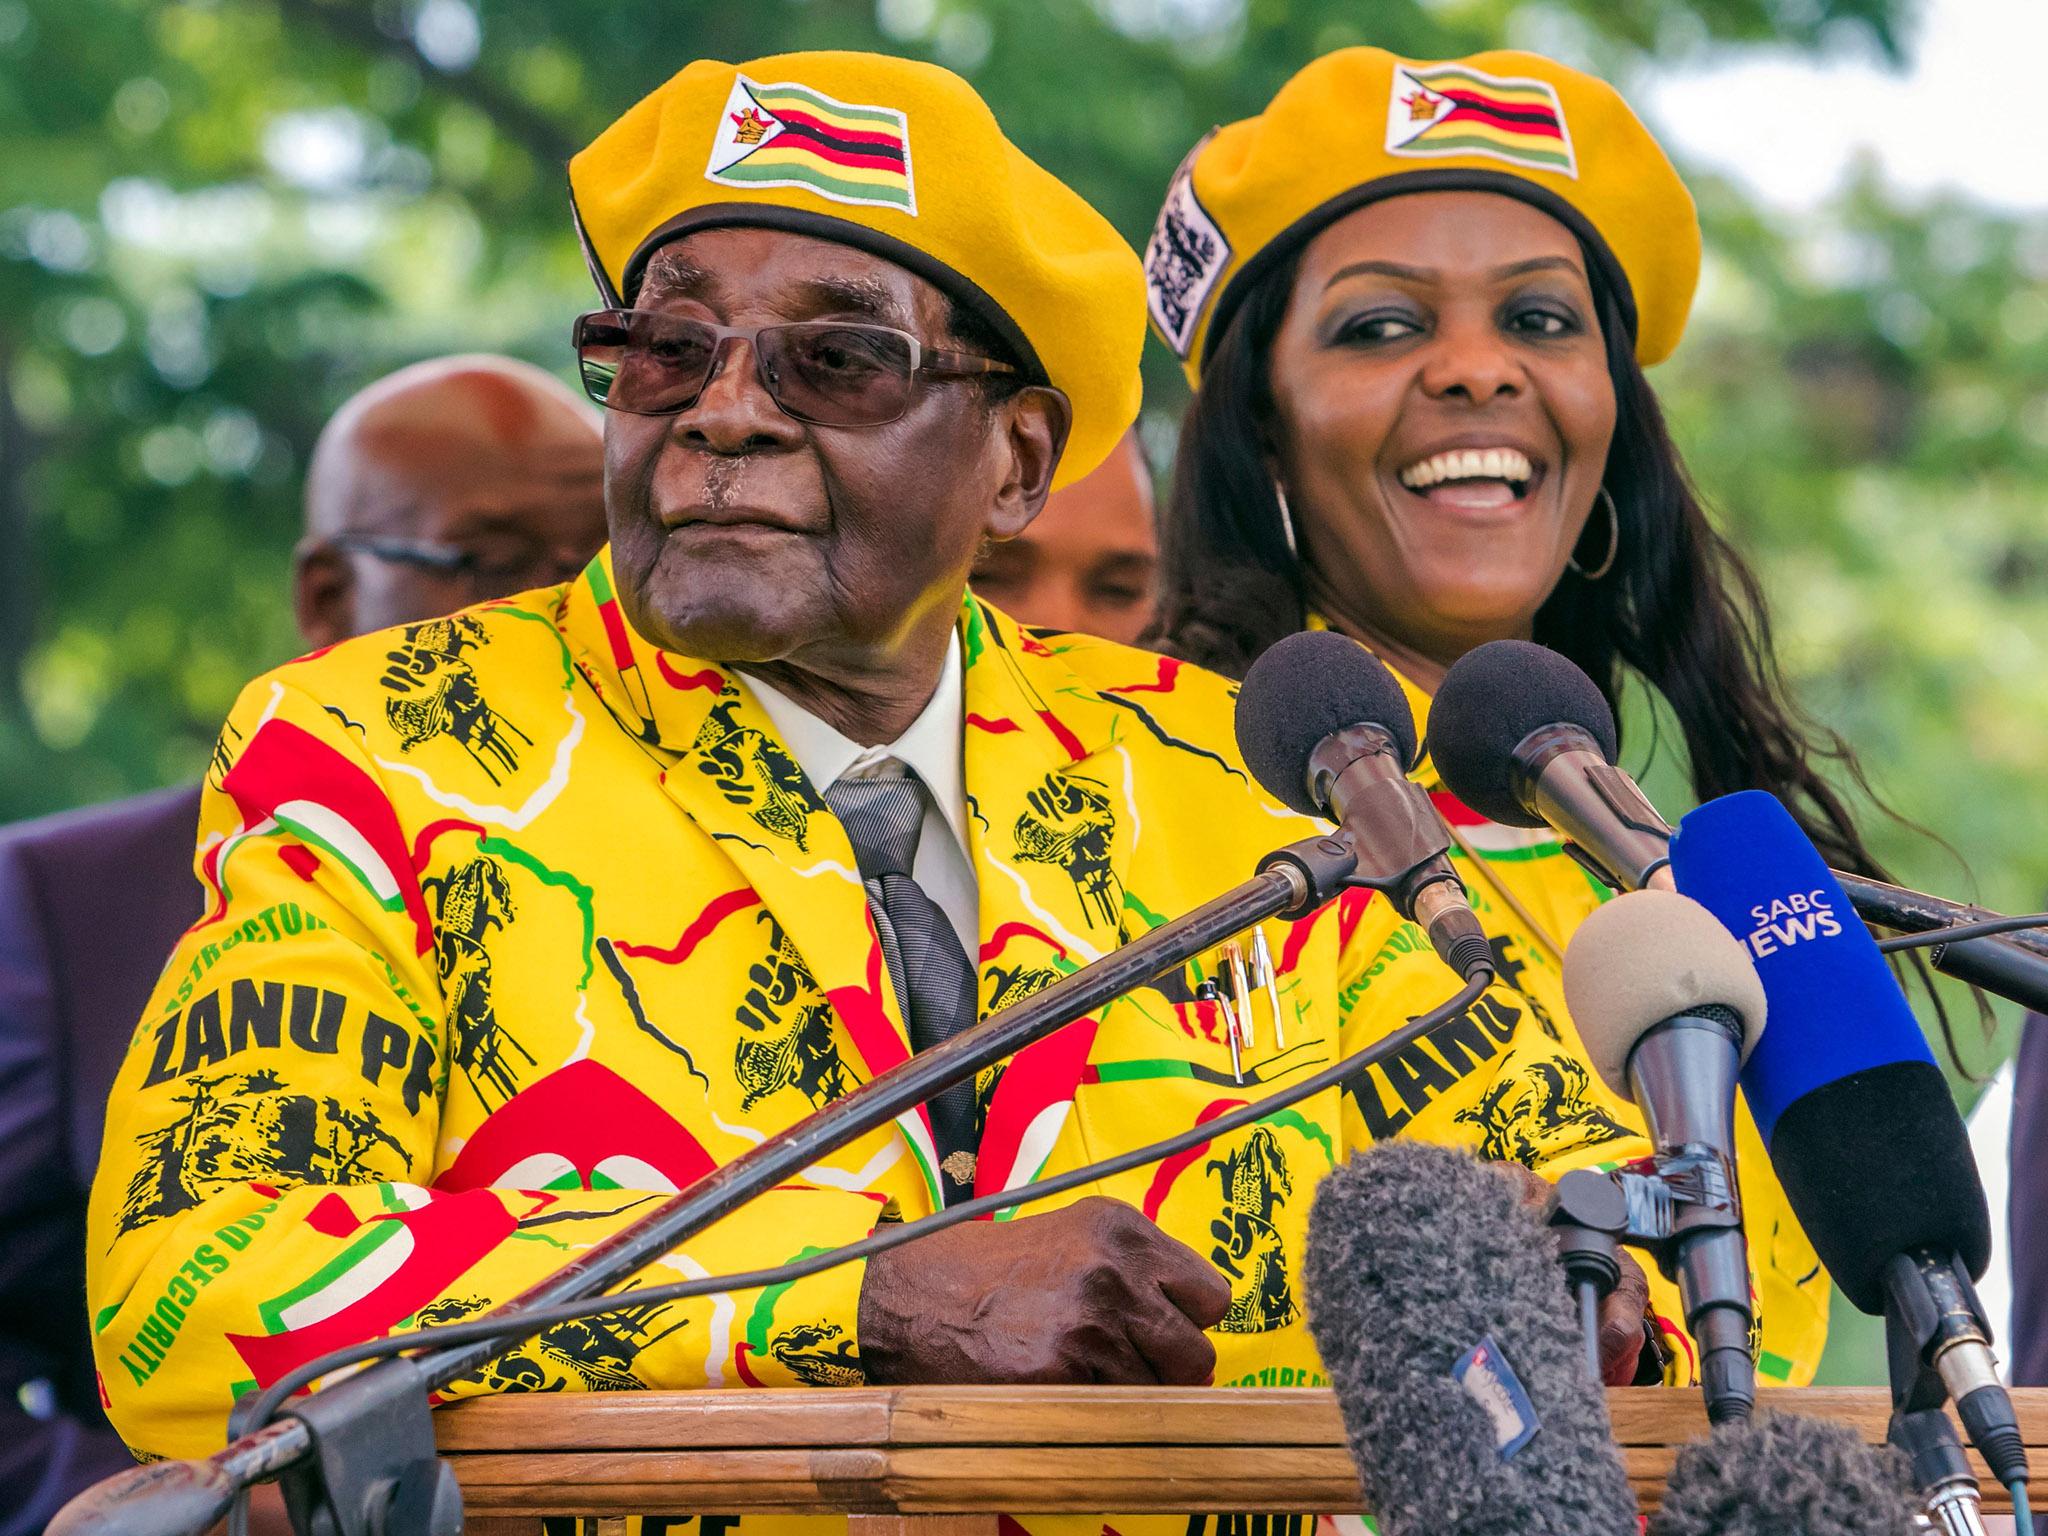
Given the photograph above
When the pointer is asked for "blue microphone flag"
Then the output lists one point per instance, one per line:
(1835, 1007)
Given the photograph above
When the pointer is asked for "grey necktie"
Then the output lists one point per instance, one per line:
(933, 977)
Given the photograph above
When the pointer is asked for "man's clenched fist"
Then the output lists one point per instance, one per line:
(1091, 1293)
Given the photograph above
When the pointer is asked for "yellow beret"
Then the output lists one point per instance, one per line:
(1360, 124)
(897, 158)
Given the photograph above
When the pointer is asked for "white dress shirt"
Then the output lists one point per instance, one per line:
(930, 748)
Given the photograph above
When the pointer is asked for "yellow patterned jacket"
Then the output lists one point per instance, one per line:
(515, 921)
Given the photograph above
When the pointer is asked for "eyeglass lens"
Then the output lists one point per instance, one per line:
(816, 371)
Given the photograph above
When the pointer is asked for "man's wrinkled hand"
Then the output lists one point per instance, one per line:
(1091, 1293)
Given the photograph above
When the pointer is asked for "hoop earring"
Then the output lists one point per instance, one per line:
(1286, 519)
(1613, 541)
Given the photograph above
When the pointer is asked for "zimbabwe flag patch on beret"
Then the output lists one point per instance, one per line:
(1449, 109)
(789, 135)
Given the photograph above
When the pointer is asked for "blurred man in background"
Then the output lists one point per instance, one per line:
(445, 484)
(1087, 563)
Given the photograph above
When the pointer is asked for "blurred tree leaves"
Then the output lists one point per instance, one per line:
(221, 216)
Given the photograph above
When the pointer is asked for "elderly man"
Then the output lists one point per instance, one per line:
(1088, 562)
(518, 917)
(443, 484)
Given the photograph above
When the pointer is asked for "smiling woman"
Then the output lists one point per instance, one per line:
(1441, 418)
(1421, 420)
(1421, 415)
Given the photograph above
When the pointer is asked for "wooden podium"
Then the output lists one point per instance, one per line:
(944, 1461)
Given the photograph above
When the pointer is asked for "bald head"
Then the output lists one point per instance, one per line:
(447, 483)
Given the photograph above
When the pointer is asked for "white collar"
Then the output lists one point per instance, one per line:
(929, 748)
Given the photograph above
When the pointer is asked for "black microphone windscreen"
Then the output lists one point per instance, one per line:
(1786, 1475)
(1304, 688)
(1417, 1257)
(1494, 696)
(1860, 1209)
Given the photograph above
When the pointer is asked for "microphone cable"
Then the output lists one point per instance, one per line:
(1955, 933)
(525, 1324)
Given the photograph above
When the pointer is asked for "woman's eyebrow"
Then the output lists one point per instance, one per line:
(1383, 269)
(1539, 264)
(1405, 273)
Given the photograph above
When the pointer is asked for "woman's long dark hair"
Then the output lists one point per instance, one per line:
(1679, 605)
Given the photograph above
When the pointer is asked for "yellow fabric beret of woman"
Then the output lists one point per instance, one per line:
(1361, 124)
(897, 158)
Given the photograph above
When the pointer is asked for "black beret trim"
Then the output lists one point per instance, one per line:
(801, 221)
(605, 292)
(1606, 268)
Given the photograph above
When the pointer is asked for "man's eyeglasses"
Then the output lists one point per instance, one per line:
(825, 372)
(496, 569)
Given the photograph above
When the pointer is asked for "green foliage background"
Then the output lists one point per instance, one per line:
(220, 217)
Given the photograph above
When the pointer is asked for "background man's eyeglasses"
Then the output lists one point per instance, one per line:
(825, 372)
(494, 569)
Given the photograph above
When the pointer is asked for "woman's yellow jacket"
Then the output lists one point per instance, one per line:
(513, 920)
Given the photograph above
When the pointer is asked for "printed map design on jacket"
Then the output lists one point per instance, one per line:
(516, 923)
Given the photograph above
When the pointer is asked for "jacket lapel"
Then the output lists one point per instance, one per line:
(1051, 834)
(1050, 831)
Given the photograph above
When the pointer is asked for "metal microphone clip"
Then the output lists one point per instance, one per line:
(1589, 1212)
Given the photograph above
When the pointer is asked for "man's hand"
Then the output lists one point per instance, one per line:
(1091, 1293)
(1622, 1310)
(266, 1513)
(1621, 1324)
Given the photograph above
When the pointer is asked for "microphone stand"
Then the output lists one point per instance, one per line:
(1937, 1347)
(358, 1456)
(1907, 911)
(1654, 1204)
(1941, 1472)
(1590, 1214)
(2013, 965)
(1922, 1429)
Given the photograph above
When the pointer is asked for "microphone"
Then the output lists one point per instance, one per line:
(1785, 1475)
(1525, 738)
(1948, 1488)
(1997, 965)
(1861, 1130)
(1668, 1007)
(1434, 1299)
(1326, 730)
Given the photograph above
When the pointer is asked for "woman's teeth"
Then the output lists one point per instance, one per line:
(1507, 469)
(1473, 493)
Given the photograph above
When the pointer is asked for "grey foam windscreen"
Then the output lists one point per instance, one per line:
(1417, 1253)
(1784, 1474)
